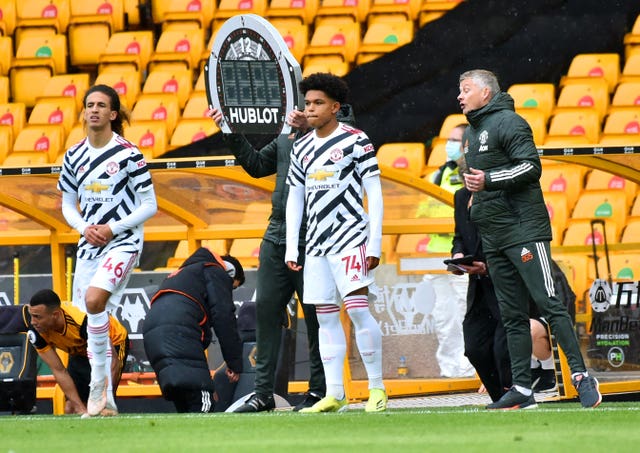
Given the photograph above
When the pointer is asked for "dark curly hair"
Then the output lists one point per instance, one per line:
(333, 86)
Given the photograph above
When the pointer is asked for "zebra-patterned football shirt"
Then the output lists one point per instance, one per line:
(107, 182)
(332, 169)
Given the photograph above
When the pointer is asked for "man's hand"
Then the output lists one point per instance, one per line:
(372, 262)
(476, 268)
(474, 180)
(98, 235)
(293, 266)
(215, 115)
(232, 375)
(298, 120)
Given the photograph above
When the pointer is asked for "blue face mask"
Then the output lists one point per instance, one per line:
(453, 150)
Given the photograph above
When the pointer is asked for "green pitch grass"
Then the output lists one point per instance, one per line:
(553, 427)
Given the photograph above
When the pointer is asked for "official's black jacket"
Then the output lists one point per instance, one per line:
(177, 329)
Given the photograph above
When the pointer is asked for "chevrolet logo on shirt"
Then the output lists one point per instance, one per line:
(321, 175)
(96, 187)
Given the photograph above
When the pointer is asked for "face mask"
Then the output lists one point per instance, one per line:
(453, 150)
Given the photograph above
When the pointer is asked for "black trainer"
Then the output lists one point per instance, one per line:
(587, 387)
(543, 380)
(309, 400)
(513, 399)
(257, 403)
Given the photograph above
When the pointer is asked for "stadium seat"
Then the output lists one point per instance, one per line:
(352, 10)
(247, 251)
(558, 209)
(578, 232)
(391, 10)
(627, 95)
(162, 108)
(45, 139)
(41, 14)
(178, 48)
(537, 122)
(4, 89)
(591, 94)
(13, 114)
(149, 136)
(200, 86)
(197, 106)
(335, 39)
(538, 96)
(132, 12)
(623, 266)
(189, 131)
(126, 84)
(631, 233)
(303, 11)
(631, 69)
(73, 85)
(412, 244)
(622, 126)
(7, 17)
(60, 110)
(6, 141)
(383, 37)
(295, 35)
(581, 127)
(602, 204)
(75, 135)
(450, 121)
(6, 54)
(576, 267)
(635, 209)
(437, 156)
(25, 159)
(188, 13)
(127, 49)
(586, 66)
(409, 157)
(333, 64)
(632, 38)
(565, 178)
(178, 82)
(602, 180)
(230, 8)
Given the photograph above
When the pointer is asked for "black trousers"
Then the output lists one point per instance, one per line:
(485, 340)
(275, 287)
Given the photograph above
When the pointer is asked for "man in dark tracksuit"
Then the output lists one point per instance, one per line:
(509, 210)
(276, 283)
(485, 341)
(177, 329)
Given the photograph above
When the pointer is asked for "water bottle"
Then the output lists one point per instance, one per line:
(403, 370)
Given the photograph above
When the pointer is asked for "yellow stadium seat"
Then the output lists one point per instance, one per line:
(45, 139)
(25, 159)
(295, 35)
(623, 266)
(178, 82)
(41, 14)
(578, 232)
(564, 178)
(200, 86)
(303, 11)
(131, 49)
(13, 114)
(383, 37)
(627, 95)
(335, 39)
(602, 204)
(126, 84)
(602, 180)
(333, 64)
(631, 69)
(158, 9)
(437, 156)
(633, 37)
(354, 10)
(537, 122)
(411, 244)
(635, 209)
(192, 130)
(68, 85)
(197, 107)
(622, 127)
(60, 110)
(431, 10)
(132, 12)
(230, 8)
(576, 267)
(7, 17)
(409, 157)
(581, 127)
(558, 209)
(163, 108)
(405, 9)
(6, 141)
(149, 136)
(6, 54)
(537, 96)
(586, 66)
(187, 13)
(178, 48)
(591, 94)
(631, 232)
(247, 251)
(451, 121)
(91, 24)
(76, 135)
(4, 89)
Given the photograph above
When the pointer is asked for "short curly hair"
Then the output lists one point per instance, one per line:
(333, 86)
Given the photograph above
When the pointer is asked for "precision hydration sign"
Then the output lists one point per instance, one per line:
(251, 77)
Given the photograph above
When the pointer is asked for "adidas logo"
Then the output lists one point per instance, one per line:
(355, 278)
(526, 255)
(524, 251)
